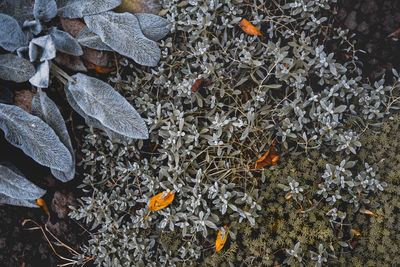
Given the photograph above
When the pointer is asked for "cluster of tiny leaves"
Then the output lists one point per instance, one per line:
(203, 142)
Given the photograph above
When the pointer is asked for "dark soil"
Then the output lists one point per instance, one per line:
(371, 20)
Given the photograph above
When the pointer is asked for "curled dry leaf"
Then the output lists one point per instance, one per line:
(248, 28)
(368, 212)
(355, 232)
(269, 158)
(221, 238)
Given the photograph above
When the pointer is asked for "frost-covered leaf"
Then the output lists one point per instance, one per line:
(47, 45)
(45, 9)
(34, 137)
(21, 10)
(11, 35)
(15, 68)
(98, 100)
(89, 39)
(65, 43)
(81, 8)
(153, 27)
(42, 76)
(17, 190)
(34, 27)
(121, 31)
(44, 108)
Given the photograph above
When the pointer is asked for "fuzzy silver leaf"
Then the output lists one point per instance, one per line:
(45, 9)
(81, 8)
(11, 35)
(153, 27)
(89, 39)
(44, 108)
(100, 101)
(47, 45)
(17, 190)
(34, 137)
(42, 76)
(121, 31)
(65, 43)
(15, 68)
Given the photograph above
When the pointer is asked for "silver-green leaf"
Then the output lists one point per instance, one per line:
(17, 190)
(100, 101)
(15, 68)
(121, 31)
(45, 9)
(11, 35)
(65, 43)
(153, 27)
(34, 137)
(81, 8)
(89, 39)
(42, 76)
(44, 108)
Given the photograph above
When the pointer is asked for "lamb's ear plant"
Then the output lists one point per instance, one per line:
(32, 45)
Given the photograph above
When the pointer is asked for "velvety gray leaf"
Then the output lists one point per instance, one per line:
(34, 52)
(11, 35)
(153, 27)
(21, 10)
(33, 26)
(92, 122)
(65, 43)
(42, 76)
(44, 108)
(81, 8)
(16, 186)
(15, 68)
(45, 9)
(47, 45)
(89, 39)
(121, 31)
(100, 101)
(34, 137)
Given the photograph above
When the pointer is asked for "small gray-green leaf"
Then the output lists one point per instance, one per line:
(153, 27)
(340, 109)
(13, 185)
(15, 68)
(45, 9)
(121, 31)
(42, 76)
(34, 137)
(44, 108)
(11, 35)
(81, 8)
(48, 46)
(100, 101)
(65, 43)
(89, 39)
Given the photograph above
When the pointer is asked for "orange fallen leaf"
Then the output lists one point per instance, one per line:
(394, 34)
(221, 238)
(269, 158)
(368, 212)
(99, 69)
(197, 84)
(160, 201)
(357, 233)
(248, 28)
(42, 204)
(288, 196)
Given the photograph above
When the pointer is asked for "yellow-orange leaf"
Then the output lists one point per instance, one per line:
(42, 204)
(221, 238)
(274, 227)
(357, 233)
(160, 201)
(368, 212)
(248, 28)
(288, 196)
(269, 158)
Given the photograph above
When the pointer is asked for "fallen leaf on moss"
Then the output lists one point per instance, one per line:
(248, 28)
(160, 201)
(355, 232)
(221, 238)
(42, 204)
(99, 69)
(269, 158)
(368, 212)
(274, 227)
